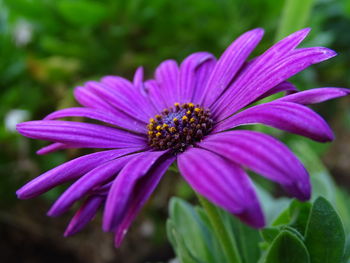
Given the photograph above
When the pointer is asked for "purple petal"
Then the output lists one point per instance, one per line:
(203, 72)
(222, 182)
(123, 189)
(141, 193)
(68, 171)
(264, 155)
(244, 90)
(278, 50)
(123, 95)
(138, 78)
(316, 95)
(286, 116)
(129, 101)
(284, 86)
(119, 121)
(94, 178)
(53, 147)
(116, 83)
(80, 134)
(155, 95)
(188, 77)
(229, 64)
(84, 215)
(167, 75)
(86, 97)
(259, 64)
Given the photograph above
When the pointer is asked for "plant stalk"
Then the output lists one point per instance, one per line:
(229, 246)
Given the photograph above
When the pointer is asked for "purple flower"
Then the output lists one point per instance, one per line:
(188, 113)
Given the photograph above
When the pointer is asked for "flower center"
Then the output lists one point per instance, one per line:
(178, 127)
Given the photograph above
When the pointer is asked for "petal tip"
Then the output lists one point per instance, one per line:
(68, 232)
(258, 30)
(19, 126)
(41, 151)
(106, 223)
(305, 30)
(331, 136)
(254, 217)
(20, 193)
(53, 212)
(329, 53)
(119, 237)
(304, 196)
(328, 136)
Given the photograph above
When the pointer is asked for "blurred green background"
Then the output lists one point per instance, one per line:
(47, 47)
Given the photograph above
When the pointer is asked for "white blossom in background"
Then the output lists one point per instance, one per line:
(23, 33)
(15, 116)
(147, 229)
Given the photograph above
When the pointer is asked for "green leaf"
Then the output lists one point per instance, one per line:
(269, 233)
(343, 208)
(346, 256)
(216, 248)
(182, 252)
(190, 232)
(221, 230)
(82, 13)
(296, 216)
(299, 213)
(287, 248)
(325, 237)
(246, 238)
(294, 17)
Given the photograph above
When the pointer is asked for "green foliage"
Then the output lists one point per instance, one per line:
(304, 232)
(190, 235)
(295, 216)
(294, 17)
(90, 13)
(287, 248)
(325, 237)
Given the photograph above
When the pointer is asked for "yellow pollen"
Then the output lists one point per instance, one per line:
(179, 127)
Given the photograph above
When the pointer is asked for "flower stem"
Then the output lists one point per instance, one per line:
(228, 244)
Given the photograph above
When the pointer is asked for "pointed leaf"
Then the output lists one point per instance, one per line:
(187, 223)
(325, 237)
(287, 248)
(269, 233)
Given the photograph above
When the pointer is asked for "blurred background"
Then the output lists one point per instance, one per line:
(47, 47)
